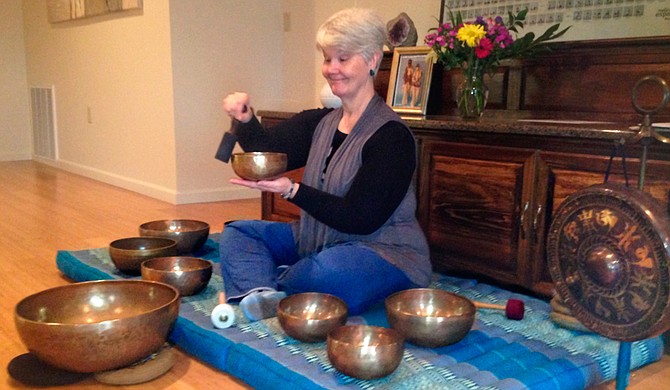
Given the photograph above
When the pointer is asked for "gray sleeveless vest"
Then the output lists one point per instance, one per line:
(400, 240)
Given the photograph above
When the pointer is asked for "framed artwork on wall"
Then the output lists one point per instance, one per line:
(410, 80)
(589, 19)
(64, 10)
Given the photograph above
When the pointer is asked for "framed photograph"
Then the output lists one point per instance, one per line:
(410, 79)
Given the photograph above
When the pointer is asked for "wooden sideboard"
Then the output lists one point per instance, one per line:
(487, 189)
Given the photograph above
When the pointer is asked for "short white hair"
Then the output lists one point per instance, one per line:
(354, 31)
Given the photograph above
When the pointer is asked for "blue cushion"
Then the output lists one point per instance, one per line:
(498, 353)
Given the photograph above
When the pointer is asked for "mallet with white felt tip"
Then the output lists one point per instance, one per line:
(223, 315)
(514, 309)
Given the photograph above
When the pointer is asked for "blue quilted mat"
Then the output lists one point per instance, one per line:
(498, 353)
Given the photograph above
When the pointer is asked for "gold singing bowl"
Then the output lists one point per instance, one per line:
(309, 317)
(127, 254)
(189, 234)
(258, 165)
(189, 275)
(364, 351)
(97, 326)
(430, 317)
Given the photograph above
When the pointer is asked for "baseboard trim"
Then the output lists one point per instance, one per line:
(149, 189)
(15, 157)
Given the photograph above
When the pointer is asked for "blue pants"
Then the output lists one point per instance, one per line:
(262, 254)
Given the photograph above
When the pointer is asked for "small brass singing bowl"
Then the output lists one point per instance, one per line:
(127, 254)
(97, 326)
(309, 317)
(189, 234)
(364, 351)
(258, 165)
(430, 317)
(189, 275)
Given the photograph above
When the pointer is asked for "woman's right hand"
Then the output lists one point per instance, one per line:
(237, 106)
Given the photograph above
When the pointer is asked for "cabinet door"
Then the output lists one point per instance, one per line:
(475, 206)
(571, 172)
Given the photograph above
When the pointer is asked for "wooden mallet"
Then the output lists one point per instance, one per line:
(514, 309)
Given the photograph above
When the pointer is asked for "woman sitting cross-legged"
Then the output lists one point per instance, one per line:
(358, 237)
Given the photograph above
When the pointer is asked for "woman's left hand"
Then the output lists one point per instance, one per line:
(281, 185)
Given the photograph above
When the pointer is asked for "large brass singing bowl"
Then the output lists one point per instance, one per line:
(309, 317)
(97, 326)
(189, 234)
(258, 165)
(189, 275)
(430, 317)
(127, 254)
(364, 351)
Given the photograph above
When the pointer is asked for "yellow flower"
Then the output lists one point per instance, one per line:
(471, 34)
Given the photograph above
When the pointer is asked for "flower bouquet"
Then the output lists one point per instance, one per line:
(478, 47)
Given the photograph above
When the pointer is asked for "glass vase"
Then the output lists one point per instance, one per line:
(472, 95)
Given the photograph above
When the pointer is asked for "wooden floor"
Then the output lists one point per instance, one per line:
(43, 210)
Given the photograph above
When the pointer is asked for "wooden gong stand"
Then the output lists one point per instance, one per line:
(608, 253)
(646, 135)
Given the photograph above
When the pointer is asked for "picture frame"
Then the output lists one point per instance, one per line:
(66, 10)
(408, 89)
(597, 20)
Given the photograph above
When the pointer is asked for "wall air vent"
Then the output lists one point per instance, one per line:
(43, 106)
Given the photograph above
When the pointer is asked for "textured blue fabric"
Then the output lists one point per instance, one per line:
(496, 354)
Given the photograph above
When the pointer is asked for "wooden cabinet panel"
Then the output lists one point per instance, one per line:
(472, 203)
(487, 209)
(571, 172)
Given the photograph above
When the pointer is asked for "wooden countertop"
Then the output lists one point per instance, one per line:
(496, 122)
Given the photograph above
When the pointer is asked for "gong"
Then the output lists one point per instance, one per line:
(608, 249)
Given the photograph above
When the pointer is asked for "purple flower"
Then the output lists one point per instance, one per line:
(495, 44)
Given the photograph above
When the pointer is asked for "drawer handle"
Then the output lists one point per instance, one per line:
(538, 212)
(523, 220)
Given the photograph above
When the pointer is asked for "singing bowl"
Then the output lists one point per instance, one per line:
(189, 234)
(258, 165)
(364, 351)
(127, 254)
(309, 317)
(430, 317)
(97, 326)
(189, 275)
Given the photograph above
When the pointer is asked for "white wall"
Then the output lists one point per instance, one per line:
(119, 67)
(218, 47)
(15, 133)
(154, 80)
(302, 72)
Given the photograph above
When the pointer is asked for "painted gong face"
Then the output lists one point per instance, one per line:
(608, 249)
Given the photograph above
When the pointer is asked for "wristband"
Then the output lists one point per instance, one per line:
(288, 194)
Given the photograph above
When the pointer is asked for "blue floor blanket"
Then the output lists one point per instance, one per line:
(498, 353)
